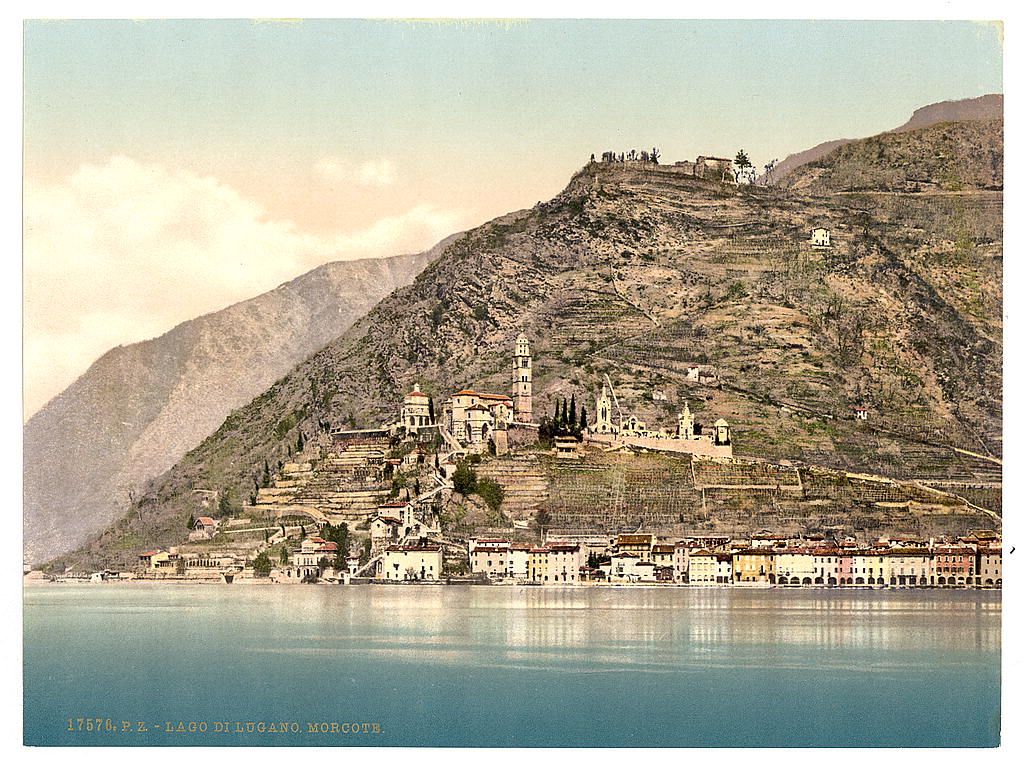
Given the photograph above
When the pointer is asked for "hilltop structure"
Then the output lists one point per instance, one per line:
(613, 427)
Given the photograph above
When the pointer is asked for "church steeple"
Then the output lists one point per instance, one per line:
(522, 380)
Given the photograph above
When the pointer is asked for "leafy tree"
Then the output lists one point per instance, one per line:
(398, 482)
(261, 565)
(464, 479)
(491, 447)
(225, 506)
(284, 555)
(491, 492)
(742, 160)
(593, 560)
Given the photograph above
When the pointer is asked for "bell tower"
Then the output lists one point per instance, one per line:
(522, 381)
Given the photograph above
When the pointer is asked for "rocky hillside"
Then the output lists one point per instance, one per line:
(139, 408)
(944, 156)
(638, 271)
(977, 109)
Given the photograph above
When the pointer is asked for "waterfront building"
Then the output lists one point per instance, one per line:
(952, 566)
(564, 563)
(538, 565)
(411, 562)
(703, 567)
(794, 566)
(753, 567)
(493, 561)
(681, 561)
(990, 567)
(826, 566)
(723, 571)
(868, 567)
(629, 567)
(908, 566)
(305, 561)
(519, 560)
(844, 567)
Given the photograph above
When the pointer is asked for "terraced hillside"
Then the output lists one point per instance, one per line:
(637, 271)
(604, 492)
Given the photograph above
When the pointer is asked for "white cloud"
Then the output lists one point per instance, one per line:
(370, 173)
(123, 252)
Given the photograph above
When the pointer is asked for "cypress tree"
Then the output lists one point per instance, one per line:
(572, 412)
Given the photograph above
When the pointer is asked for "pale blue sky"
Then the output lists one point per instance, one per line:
(423, 92)
(172, 168)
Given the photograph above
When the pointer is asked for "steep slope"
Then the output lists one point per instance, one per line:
(139, 407)
(638, 271)
(944, 156)
(979, 108)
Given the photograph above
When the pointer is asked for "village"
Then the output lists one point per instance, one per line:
(372, 507)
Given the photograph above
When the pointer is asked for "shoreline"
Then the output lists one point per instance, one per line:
(582, 585)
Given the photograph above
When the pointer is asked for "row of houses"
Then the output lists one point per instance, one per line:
(975, 561)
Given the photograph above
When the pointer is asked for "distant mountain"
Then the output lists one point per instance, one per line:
(139, 407)
(948, 156)
(979, 108)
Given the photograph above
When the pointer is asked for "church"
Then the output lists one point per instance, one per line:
(472, 417)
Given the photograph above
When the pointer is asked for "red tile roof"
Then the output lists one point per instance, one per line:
(149, 554)
(416, 394)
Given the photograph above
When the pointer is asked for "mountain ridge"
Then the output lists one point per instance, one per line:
(640, 271)
(977, 108)
(140, 406)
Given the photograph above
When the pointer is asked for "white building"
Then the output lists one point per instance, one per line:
(794, 567)
(416, 410)
(564, 563)
(411, 563)
(820, 237)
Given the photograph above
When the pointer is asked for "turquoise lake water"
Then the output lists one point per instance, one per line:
(511, 666)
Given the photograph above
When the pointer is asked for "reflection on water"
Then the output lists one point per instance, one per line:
(601, 624)
(897, 650)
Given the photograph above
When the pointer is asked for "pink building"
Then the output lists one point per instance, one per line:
(952, 566)
(844, 568)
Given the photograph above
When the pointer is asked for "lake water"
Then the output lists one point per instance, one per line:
(510, 666)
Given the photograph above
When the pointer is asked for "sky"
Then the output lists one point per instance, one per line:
(172, 168)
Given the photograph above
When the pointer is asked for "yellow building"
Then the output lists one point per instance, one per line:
(538, 565)
(639, 544)
(753, 567)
